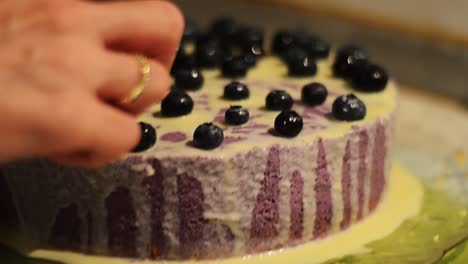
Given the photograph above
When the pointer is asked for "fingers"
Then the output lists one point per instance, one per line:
(121, 73)
(108, 74)
(83, 131)
(153, 28)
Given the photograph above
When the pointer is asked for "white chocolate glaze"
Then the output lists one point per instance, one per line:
(402, 200)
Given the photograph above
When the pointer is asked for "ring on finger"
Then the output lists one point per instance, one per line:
(137, 91)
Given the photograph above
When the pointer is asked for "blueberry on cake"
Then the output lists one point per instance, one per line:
(251, 151)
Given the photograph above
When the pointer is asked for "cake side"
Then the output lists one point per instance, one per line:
(174, 208)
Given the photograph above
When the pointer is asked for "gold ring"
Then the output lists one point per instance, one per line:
(145, 71)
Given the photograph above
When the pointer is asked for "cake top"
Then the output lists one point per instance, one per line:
(208, 93)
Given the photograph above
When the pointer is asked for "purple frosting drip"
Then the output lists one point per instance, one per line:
(229, 235)
(324, 207)
(363, 143)
(297, 206)
(173, 137)
(66, 231)
(191, 199)
(265, 215)
(90, 222)
(229, 140)
(154, 192)
(219, 118)
(122, 225)
(311, 112)
(377, 180)
(346, 187)
(8, 213)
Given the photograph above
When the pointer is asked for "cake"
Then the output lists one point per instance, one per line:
(261, 187)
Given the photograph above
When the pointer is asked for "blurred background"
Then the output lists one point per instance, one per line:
(422, 43)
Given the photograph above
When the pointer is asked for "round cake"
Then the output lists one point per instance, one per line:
(279, 176)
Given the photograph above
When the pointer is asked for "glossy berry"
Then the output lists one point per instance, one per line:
(250, 40)
(147, 138)
(176, 103)
(247, 36)
(302, 67)
(314, 94)
(293, 54)
(236, 91)
(191, 30)
(208, 52)
(288, 123)
(352, 50)
(236, 115)
(317, 48)
(234, 67)
(188, 78)
(278, 100)
(182, 60)
(250, 60)
(301, 37)
(224, 27)
(349, 61)
(372, 78)
(208, 136)
(282, 41)
(348, 108)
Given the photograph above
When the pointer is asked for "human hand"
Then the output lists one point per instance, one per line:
(64, 64)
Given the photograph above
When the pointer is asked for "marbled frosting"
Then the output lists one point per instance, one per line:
(256, 192)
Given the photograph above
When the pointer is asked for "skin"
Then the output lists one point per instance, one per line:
(64, 66)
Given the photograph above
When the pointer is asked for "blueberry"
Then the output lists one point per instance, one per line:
(278, 100)
(348, 108)
(250, 60)
(236, 115)
(147, 139)
(208, 136)
(254, 50)
(352, 50)
(301, 37)
(372, 78)
(176, 103)
(208, 52)
(288, 123)
(188, 78)
(191, 30)
(317, 48)
(250, 40)
(349, 61)
(224, 27)
(234, 67)
(302, 67)
(249, 36)
(282, 41)
(314, 94)
(182, 60)
(293, 54)
(236, 91)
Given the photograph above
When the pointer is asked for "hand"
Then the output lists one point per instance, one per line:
(64, 64)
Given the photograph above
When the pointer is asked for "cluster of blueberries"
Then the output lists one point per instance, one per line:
(235, 49)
